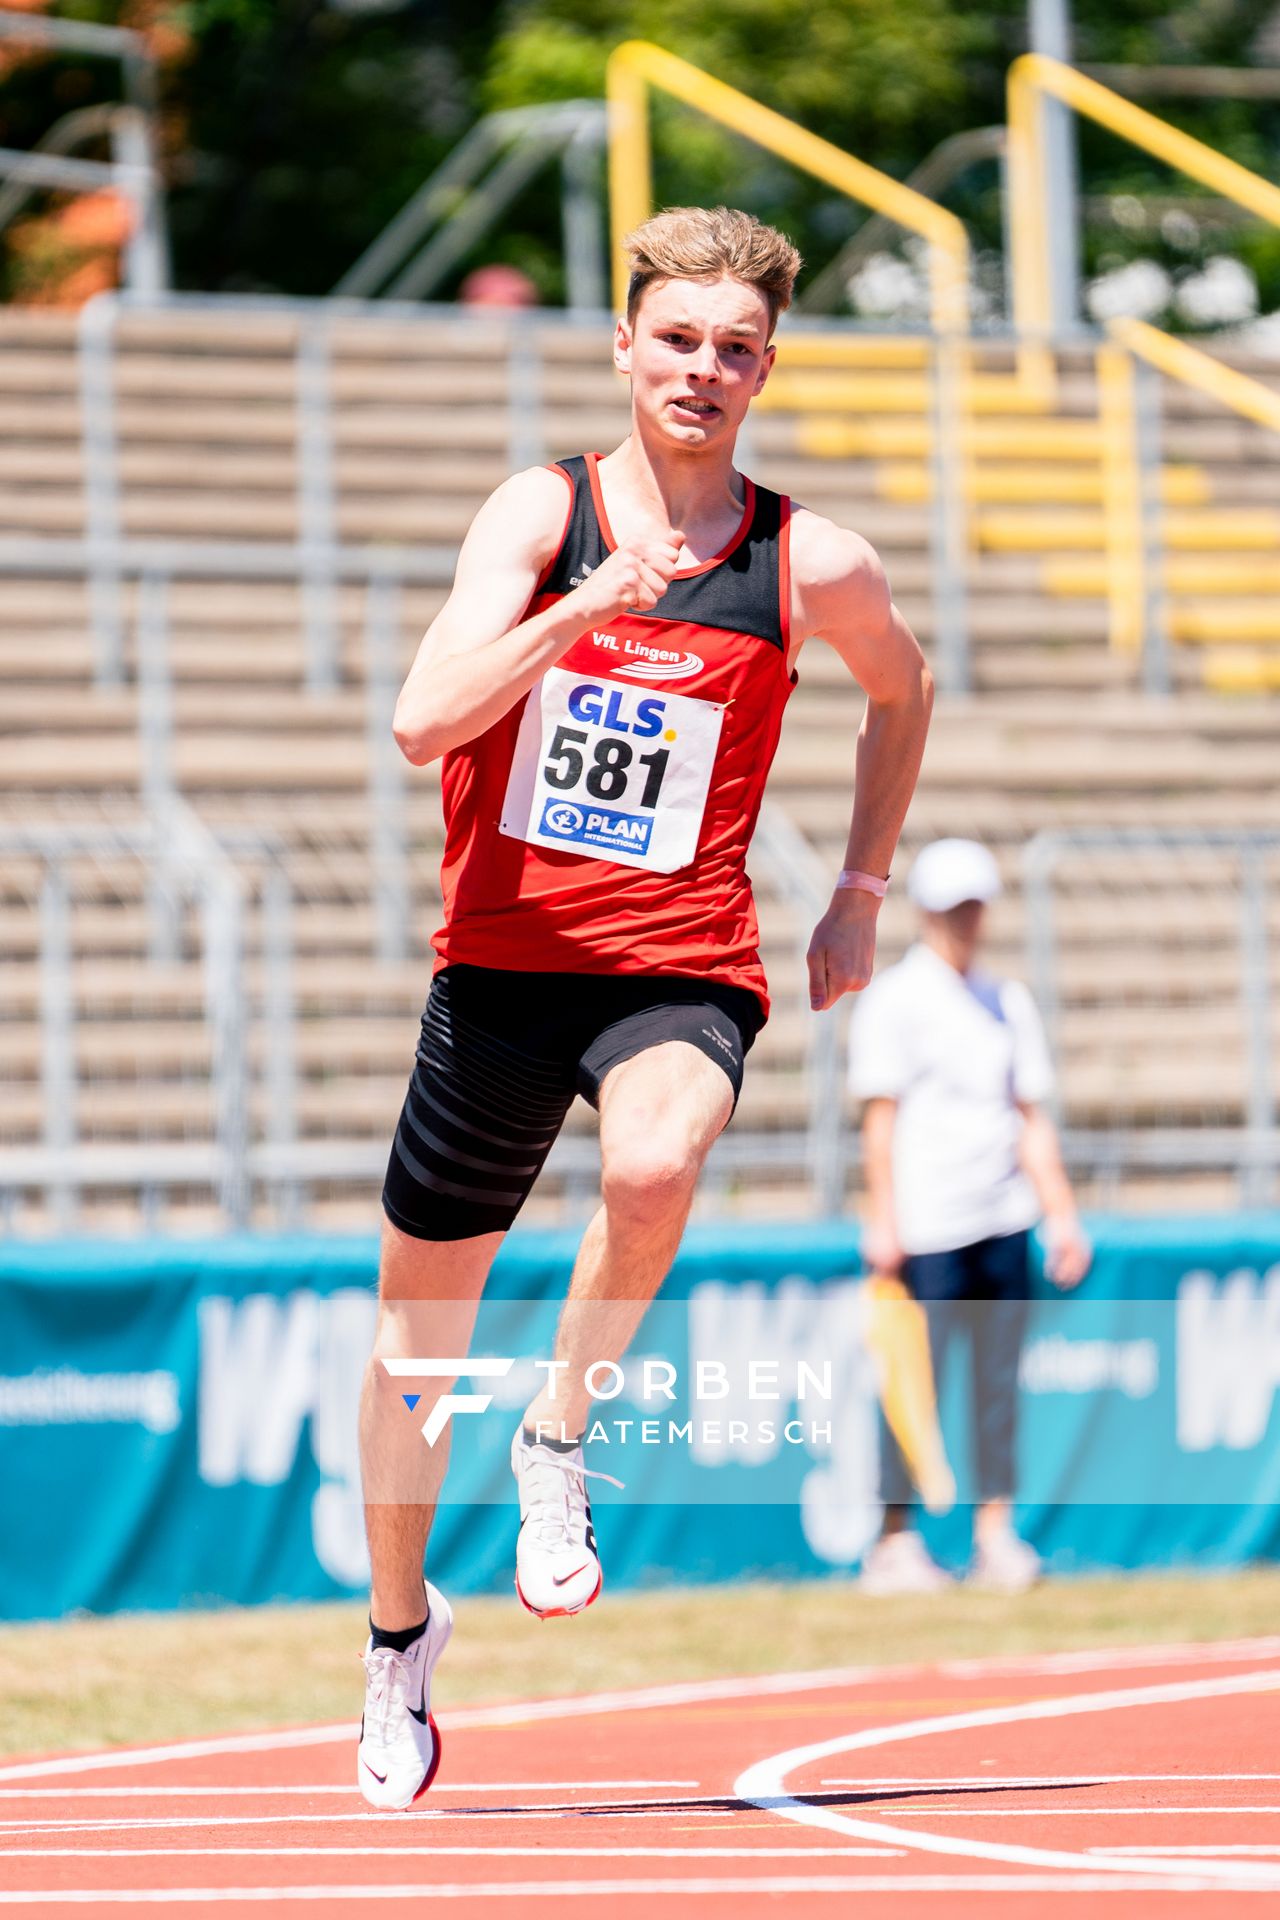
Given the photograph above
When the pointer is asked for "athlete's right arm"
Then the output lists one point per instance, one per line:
(479, 656)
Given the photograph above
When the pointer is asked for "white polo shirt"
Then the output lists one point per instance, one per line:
(957, 1052)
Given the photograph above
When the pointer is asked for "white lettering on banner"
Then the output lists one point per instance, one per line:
(270, 1364)
(1055, 1364)
(64, 1396)
(814, 1331)
(609, 771)
(1228, 1346)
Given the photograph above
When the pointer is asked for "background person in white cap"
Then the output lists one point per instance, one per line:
(961, 1158)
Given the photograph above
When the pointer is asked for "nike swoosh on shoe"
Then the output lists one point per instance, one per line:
(381, 1778)
(559, 1579)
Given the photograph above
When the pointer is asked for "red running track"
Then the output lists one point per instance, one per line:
(1130, 1775)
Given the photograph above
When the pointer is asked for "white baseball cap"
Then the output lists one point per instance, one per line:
(949, 871)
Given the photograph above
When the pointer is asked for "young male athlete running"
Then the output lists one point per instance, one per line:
(605, 686)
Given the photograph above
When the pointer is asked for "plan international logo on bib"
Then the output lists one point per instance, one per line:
(596, 826)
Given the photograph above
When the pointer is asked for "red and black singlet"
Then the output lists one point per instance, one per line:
(602, 825)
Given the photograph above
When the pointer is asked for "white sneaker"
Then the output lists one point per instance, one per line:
(399, 1744)
(558, 1569)
(1003, 1563)
(900, 1563)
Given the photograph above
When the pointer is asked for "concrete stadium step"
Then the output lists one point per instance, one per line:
(345, 1105)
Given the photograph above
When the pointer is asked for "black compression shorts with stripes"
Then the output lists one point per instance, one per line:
(500, 1059)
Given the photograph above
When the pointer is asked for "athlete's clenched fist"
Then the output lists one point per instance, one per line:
(635, 576)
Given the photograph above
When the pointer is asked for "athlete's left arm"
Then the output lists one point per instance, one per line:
(840, 595)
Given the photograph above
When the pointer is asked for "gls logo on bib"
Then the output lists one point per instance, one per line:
(604, 770)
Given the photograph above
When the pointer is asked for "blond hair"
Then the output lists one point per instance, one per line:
(702, 243)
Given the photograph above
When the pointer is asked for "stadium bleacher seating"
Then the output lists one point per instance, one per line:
(1055, 732)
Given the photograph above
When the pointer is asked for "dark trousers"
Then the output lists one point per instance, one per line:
(982, 1292)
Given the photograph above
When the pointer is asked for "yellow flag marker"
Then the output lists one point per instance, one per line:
(897, 1334)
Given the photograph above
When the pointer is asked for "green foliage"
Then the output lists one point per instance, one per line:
(295, 130)
(864, 73)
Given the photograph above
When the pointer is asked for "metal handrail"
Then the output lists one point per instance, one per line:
(1034, 76)
(1180, 360)
(85, 36)
(461, 204)
(1129, 404)
(131, 170)
(637, 65)
(950, 159)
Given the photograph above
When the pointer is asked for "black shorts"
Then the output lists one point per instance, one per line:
(500, 1058)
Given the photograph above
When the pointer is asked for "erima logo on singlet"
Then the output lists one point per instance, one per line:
(639, 660)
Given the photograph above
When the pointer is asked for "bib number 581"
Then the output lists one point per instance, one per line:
(606, 777)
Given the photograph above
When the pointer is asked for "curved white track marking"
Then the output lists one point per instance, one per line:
(1209, 1852)
(940, 1784)
(687, 1693)
(764, 1784)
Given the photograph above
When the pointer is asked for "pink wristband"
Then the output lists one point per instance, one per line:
(864, 882)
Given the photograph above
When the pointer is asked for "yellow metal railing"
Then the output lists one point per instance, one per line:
(637, 66)
(1122, 500)
(1032, 77)
(1128, 558)
(1179, 360)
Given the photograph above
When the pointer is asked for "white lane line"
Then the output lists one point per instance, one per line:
(1210, 1852)
(193, 1750)
(688, 1693)
(262, 1792)
(646, 1889)
(1066, 1813)
(870, 1783)
(26, 1830)
(1062, 1813)
(642, 1809)
(485, 1853)
(1004, 1782)
(764, 1783)
(1103, 1659)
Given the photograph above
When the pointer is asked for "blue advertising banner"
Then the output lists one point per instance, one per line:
(178, 1421)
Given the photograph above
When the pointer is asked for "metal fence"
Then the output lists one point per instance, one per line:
(220, 904)
(1153, 958)
(108, 557)
(179, 863)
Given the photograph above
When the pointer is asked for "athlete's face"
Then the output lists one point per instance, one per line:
(696, 354)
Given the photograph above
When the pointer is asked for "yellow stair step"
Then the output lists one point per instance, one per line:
(1010, 531)
(1054, 440)
(1241, 670)
(823, 391)
(1007, 483)
(850, 350)
(1087, 578)
(1211, 621)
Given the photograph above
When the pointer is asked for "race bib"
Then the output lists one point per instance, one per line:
(611, 771)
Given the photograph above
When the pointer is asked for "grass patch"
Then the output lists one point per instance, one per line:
(158, 1677)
